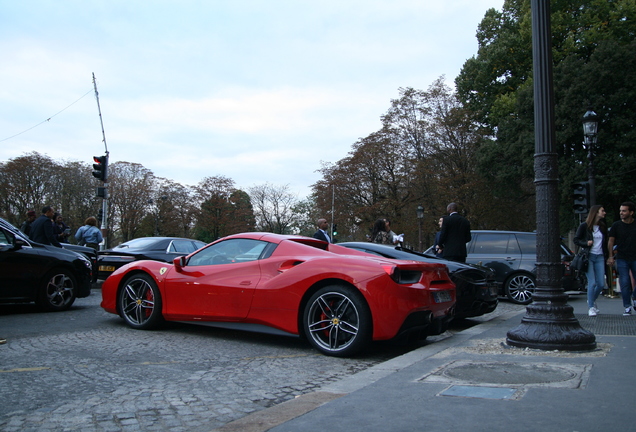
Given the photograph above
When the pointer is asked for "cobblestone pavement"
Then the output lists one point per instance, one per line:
(85, 370)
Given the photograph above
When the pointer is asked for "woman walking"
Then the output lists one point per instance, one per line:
(592, 234)
(89, 235)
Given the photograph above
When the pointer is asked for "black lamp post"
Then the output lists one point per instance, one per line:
(549, 322)
(590, 128)
(420, 215)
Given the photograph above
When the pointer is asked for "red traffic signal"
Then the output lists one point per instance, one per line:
(100, 167)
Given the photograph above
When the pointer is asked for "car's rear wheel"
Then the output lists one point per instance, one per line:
(519, 288)
(337, 321)
(139, 302)
(58, 291)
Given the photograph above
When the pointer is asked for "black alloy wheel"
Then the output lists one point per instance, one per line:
(337, 321)
(139, 302)
(519, 288)
(58, 291)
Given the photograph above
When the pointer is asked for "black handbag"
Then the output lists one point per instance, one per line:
(581, 260)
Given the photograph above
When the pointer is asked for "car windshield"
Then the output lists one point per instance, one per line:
(140, 243)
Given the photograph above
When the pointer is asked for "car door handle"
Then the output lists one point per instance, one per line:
(246, 283)
(511, 259)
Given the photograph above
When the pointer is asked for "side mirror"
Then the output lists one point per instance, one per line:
(179, 263)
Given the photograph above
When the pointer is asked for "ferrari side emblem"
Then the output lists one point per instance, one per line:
(162, 270)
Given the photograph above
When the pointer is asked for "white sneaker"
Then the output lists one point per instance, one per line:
(628, 311)
(591, 312)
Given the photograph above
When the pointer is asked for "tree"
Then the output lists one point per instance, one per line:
(593, 45)
(273, 207)
(27, 183)
(224, 210)
(131, 187)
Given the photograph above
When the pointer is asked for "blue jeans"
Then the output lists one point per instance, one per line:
(595, 278)
(623, 267)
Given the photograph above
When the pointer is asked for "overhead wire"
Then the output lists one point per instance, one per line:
(48, 119)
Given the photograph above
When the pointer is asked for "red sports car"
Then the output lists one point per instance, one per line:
(288, 285)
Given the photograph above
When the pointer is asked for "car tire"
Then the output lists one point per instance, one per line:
(139, 302)
(58, 291)
(337, 321)
(519, 288)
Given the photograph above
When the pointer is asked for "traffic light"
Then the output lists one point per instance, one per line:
(581, 197)
(335, 230)
(100, 167)
(100, 216)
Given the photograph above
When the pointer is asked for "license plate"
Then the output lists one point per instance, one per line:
(442, 296)
(107, 268)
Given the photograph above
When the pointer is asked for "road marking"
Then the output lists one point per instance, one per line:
(34, 369)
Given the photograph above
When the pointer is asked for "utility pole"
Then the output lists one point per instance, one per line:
(104, 219)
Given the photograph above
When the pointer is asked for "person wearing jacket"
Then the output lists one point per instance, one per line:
(89, 234)
(592, 234)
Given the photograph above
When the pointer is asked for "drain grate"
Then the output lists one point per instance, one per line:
(608, 325)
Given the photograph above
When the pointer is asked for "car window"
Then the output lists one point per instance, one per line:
(229, 252)
(182, 246)
(528, 243)
(4, 238)
(491, 243)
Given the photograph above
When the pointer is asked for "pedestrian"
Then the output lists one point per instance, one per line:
(454, 235)
(436, 247)
(89, 235)
(26, 225)
(622, 251)
(379, 234)
(63, 231)
(592, 235)
(43, 228)
(395, 239)
(321, 233)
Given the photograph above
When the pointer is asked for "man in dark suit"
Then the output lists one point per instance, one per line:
(454, 235)
(321, 234)
(42, 230)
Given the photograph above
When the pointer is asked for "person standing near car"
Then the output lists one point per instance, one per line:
(622, 251)
(436, 246)
(592, 234)
(454, 235)
(43, 229)
(321, 233)
(26, 225)
(89, 235)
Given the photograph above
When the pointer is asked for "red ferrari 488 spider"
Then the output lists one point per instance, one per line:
(289, 285)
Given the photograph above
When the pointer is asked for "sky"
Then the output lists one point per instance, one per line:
(256, 91)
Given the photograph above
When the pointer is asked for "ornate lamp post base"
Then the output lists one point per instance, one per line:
(551, 327)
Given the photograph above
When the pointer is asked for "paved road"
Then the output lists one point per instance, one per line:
(86, 370)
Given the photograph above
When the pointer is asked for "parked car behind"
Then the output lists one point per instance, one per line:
(50, 276)
(513, 257)
(144, 248)
(477, 290)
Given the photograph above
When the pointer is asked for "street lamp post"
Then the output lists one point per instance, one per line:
(590, 128)
(420, 215)
(549, 322)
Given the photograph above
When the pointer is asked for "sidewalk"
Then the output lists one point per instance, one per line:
(472, 382)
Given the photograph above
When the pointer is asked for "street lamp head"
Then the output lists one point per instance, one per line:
(420, 212)
(590, 126)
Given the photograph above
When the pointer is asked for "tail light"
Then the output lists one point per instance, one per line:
(403, 277)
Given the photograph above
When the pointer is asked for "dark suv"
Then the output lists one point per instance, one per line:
(513, 255)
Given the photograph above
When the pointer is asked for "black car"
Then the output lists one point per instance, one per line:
(513, 257)
(144, 248)
(477, 292)
(51, 277)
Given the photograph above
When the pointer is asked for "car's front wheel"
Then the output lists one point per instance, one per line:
(139, 302)
(519, 288)
(58, 291)
(337, 321)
